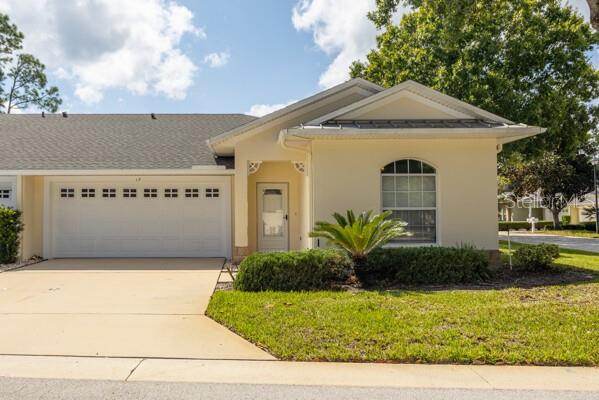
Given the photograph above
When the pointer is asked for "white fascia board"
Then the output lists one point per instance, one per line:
(503, 134)
(357, 82)
(419, 90)
(119, 172)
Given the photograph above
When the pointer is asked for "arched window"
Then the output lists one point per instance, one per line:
(409, 190)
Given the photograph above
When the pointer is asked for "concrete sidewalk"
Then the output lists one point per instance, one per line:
(302, 373)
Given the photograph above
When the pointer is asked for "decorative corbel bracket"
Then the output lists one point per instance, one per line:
(300, 167)
(253, 167)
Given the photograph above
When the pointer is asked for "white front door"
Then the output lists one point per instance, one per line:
(273, 217)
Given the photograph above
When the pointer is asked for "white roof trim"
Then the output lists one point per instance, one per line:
(359, 82)
(118, 172)
(420, 90)
(503, 134)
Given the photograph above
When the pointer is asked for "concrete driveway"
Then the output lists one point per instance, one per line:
(116, 308)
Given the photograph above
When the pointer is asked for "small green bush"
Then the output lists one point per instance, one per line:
(424, 265)
(516, 225)
(538, 257)
(566, 219)
(11, 226)
(292, 271)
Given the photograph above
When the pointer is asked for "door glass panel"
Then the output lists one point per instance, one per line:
(273, 213)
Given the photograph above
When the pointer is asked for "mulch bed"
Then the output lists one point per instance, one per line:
(20, 264)
(504, 278)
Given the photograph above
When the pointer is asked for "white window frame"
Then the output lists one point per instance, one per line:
(436, 208)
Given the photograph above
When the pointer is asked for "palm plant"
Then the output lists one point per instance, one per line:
(359, 235)
(590, 212)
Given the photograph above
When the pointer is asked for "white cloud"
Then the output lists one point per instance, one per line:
(110, 44)
(341, 28)
(260, 110)
(217, 60)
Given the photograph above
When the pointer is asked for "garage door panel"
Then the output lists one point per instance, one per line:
(121, 226)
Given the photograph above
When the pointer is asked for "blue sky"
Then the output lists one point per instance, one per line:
(202, 56)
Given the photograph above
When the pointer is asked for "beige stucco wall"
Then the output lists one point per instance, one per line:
(346, 175)
(263, 145)
(32, 205)
(277, 172)
(403, 107)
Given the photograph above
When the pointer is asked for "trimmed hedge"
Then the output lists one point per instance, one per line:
(537, 257)
(516, 225)
(11, 226)
(292, 271)
(424, 265)
(583, 226)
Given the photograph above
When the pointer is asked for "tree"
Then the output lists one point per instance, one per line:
(525, 60)
(590, 212)
(594, 6)
(557, 179)
(386, 8)
(358, 236)
(28, 86)
(23, 81)
(10, 38)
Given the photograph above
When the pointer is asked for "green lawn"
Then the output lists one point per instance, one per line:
(576, 259)
(552, 325)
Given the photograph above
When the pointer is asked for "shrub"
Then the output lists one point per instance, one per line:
(566, 219)
(425, 265)
(583, 226)
(515, 225)
(292, 271)
(11, 227)
(359, 235)
(537, 257)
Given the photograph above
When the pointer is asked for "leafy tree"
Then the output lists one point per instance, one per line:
(358, 236)
(558, 180)
(10, 37)
(525, 60)
(23, 81)
(594, 6)
(590, 212)
(28, 86)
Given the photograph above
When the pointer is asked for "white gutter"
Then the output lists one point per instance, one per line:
(422, 133)
(214, 171)
(282, 139)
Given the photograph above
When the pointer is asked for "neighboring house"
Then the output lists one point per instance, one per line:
(509, 211)
(228, 185)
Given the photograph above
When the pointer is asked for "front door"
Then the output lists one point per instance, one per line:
(273, 217)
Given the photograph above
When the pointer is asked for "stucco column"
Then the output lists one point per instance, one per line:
(241, 209)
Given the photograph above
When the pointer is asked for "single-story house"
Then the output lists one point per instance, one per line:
(533, 207)
(226, 185)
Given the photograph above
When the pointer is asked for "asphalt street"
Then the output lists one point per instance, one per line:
(58, 389)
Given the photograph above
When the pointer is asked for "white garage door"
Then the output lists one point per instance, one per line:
(141, 219)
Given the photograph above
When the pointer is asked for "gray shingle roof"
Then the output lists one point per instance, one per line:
(112, 141)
